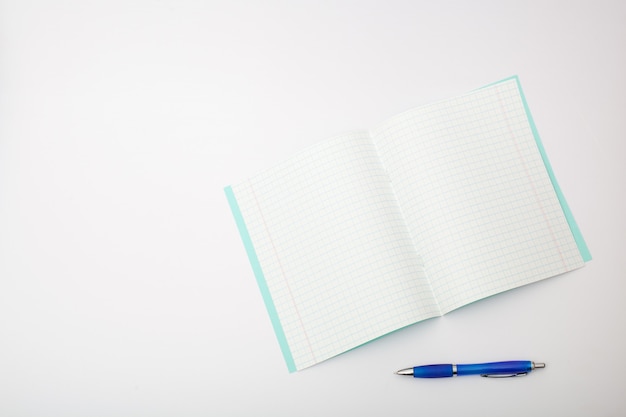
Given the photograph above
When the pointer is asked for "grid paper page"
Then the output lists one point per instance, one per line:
(476, 195)
(333, 248)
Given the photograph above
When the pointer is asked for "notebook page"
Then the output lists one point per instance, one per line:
(333, 251)
(476, 195)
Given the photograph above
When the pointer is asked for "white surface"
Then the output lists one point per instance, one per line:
(124, 287)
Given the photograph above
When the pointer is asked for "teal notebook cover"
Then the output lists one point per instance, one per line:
(580, 241)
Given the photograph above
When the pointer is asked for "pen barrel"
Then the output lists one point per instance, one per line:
(433, 371)
(495, 368)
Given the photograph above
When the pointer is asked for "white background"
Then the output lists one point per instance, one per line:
(125, 289)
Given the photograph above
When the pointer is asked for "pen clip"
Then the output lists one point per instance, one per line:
(504, 375)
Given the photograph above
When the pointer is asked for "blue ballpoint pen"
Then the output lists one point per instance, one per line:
(490, 369)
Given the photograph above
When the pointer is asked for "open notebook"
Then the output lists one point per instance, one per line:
(435, 208)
